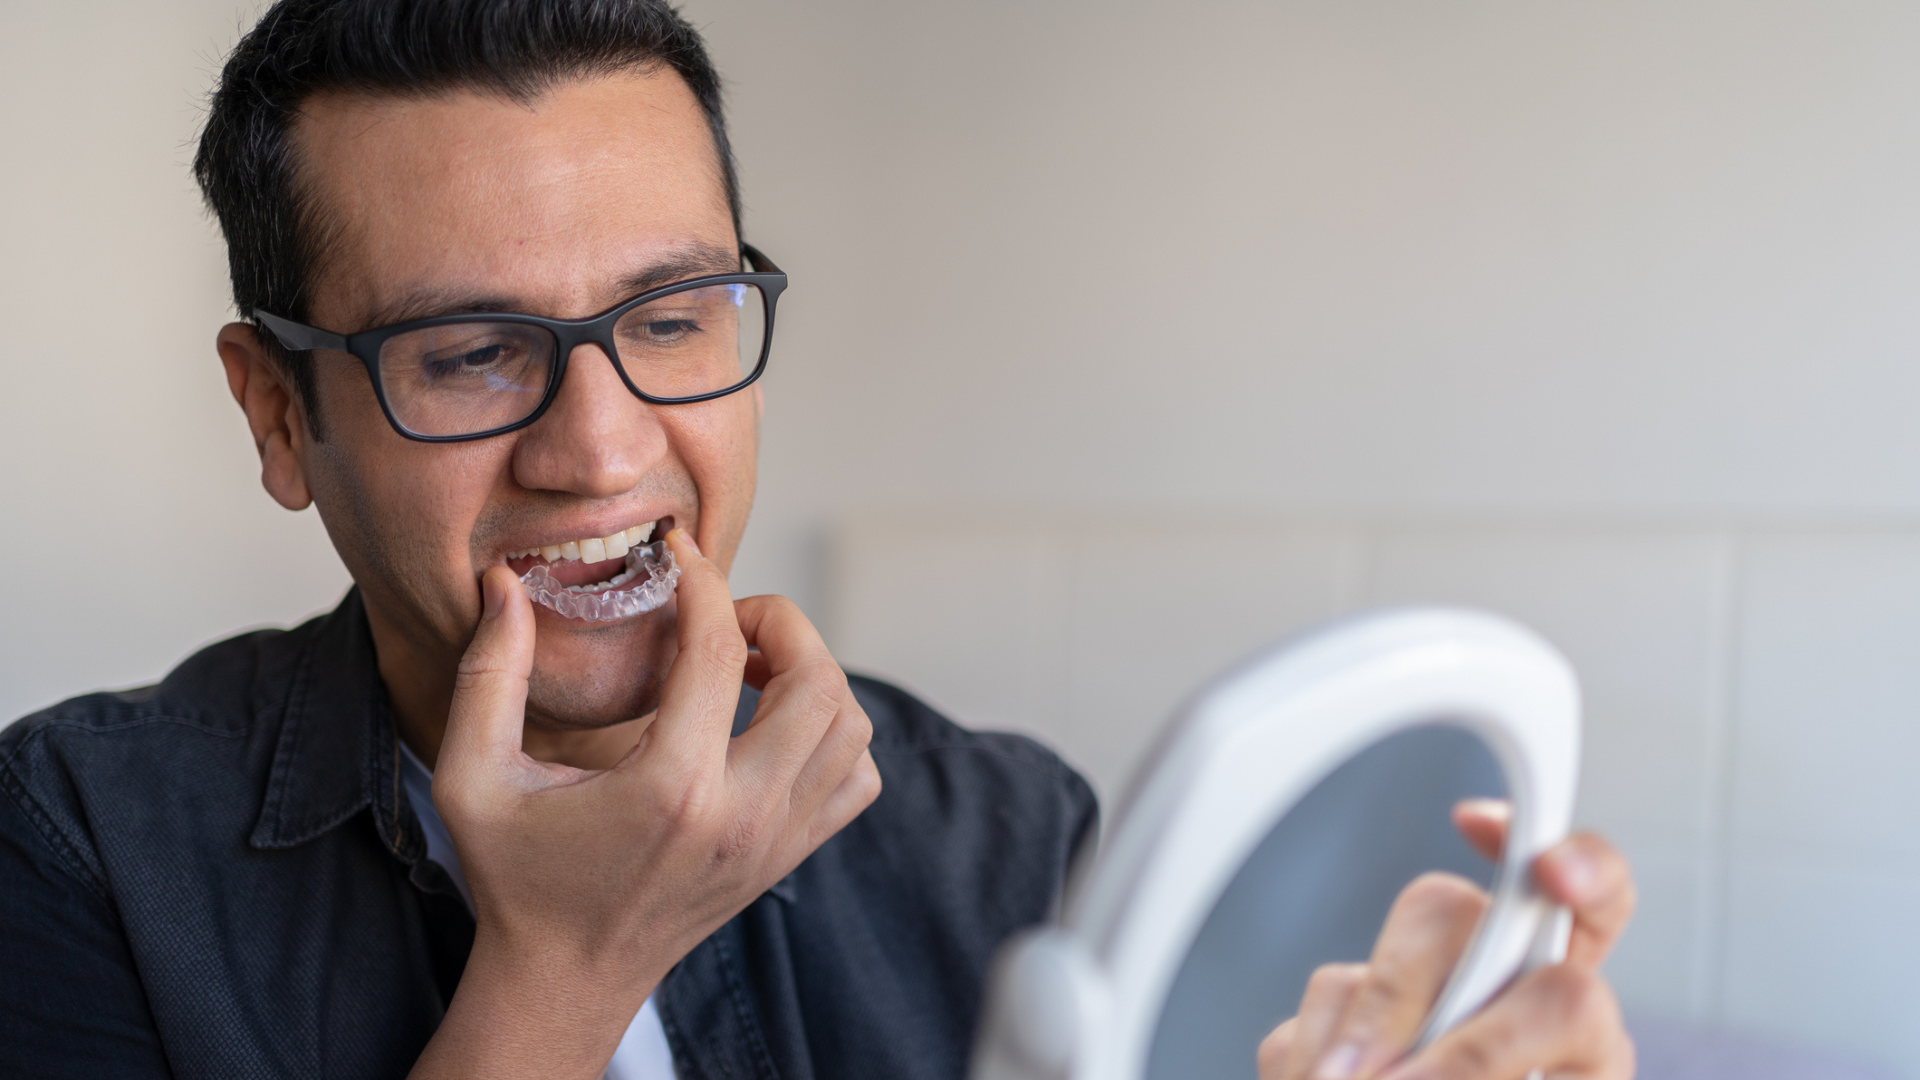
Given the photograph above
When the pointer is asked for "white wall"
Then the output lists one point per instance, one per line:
(1166, 266)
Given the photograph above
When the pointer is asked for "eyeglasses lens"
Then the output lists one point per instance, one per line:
(464, 378)
(469, 377)
(696, 341)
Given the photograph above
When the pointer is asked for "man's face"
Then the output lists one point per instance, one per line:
(472, 202)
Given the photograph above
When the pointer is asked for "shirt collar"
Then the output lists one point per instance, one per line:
(337, 753)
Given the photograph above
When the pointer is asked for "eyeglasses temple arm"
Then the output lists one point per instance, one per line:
(299, 337)
(760, 262)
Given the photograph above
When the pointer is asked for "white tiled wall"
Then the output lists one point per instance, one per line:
(1752, 705)
(1822, 920)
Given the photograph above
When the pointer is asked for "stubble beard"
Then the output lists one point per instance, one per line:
(623, 682)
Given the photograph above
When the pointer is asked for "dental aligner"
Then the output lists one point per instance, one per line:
(609, 600)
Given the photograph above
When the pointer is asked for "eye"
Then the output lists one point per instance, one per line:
(480, 357)
(663, 330)
(472, 360)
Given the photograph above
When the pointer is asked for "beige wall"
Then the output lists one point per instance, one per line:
(1151, 265)
(1163, 258)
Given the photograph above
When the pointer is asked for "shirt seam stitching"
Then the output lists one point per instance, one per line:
(286, 752)
(42, 823)
(736, 991)
(92, 727)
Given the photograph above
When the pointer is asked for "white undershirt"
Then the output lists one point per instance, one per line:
(643, 1053)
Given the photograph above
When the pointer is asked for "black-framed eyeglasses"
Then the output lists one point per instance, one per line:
(456, 377)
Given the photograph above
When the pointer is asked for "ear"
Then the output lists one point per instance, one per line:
(759, 404)
(273, 414)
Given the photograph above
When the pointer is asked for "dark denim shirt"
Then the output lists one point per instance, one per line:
(220, 876)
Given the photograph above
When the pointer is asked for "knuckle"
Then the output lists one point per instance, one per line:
(866, 780)
(1626, 900)
(467, 683)
(450, 795)
(1378, 995)
(1625, 1063)
(814, 692)
(1445, 895)
(860, 727)
(779, 607)
(690, 805)
(821, 677)
(1471, 1057)
(850, 735)
(723, 645)
(1611, 863)
(462, 805)
(857, 792)
(1578, 998)
(476, 666)
(1271, 1058)
(1330, 979)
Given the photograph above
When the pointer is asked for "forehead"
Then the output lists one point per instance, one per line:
(550, 203)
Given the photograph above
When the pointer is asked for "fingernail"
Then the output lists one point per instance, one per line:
(687, 539)
(492, 596)
(1339, 1063)
(1492, 808)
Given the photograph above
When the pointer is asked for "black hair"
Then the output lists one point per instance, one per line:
(404, 48)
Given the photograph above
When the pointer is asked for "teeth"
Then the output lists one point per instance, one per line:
(592, 549)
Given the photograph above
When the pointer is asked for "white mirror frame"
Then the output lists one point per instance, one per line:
(1081, 1000)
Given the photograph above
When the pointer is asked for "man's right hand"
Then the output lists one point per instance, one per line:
(589, 886)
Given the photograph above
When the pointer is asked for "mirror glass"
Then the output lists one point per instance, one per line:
(1317, 890)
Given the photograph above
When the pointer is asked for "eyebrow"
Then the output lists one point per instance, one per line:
(690, 261)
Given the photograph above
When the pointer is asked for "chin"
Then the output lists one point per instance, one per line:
(588, 676)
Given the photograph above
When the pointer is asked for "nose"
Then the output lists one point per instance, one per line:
(596, 440)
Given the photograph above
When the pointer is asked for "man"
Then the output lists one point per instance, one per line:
(500, 324)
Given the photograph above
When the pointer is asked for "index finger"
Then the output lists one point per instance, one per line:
(1583, 872)
(1483, 823)
(1592, 878)
(1426, 931)
(703, 686)
(797, 677)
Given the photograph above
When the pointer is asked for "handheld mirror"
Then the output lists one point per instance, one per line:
(1286, 807)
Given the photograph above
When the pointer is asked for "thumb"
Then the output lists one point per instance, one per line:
(490, 689)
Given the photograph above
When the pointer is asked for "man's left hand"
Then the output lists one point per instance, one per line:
(1357, 1021)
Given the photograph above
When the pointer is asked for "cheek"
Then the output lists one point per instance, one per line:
(720, 446)
(400, 513)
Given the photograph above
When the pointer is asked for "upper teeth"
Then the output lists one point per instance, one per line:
(594, 548)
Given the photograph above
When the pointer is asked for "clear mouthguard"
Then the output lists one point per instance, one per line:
(645, 584)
